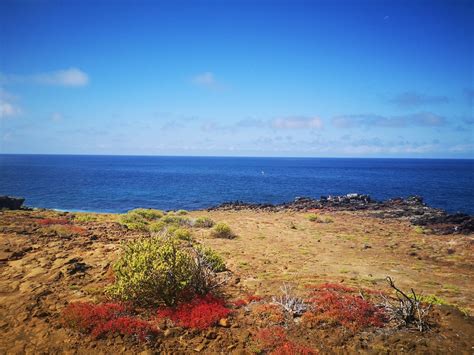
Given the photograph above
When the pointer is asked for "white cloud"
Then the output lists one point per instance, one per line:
(207, 80)
(71, 77)
(297, 123)
(8, 107)
(421, 119)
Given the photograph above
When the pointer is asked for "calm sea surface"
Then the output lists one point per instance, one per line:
(120, 183)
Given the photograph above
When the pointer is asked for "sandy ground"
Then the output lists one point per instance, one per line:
(41, 271)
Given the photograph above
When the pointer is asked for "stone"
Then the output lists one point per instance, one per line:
(200, 347)
(224, 322)
(11, 203)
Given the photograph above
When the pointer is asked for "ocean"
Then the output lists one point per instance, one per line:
(121, 183)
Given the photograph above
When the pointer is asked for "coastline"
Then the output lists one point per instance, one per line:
(50, 259)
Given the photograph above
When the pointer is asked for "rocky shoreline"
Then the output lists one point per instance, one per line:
(412, 208)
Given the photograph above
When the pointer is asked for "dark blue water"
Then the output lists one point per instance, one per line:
(120, 183)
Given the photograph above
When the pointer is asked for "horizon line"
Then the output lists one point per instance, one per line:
(233, 156)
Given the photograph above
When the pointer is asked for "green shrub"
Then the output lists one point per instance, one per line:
(85, 217)
(212, 258)
(312, 217)
(163, 269)
(157, 227)
(178, 220)
(181, 212)
(327, 219)
(203, 222)
(147, 213)
(182, 234)
(419, 230)
(151, 271)
(222, 230)
(133, 221)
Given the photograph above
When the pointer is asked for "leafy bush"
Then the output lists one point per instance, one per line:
(200, 313)
(312, 217)
(147, 213)
(212, 258)
(182, 234)
(176, 220)
(222, 230)
(203, 222)
(157, 227)
(152, 270)
(181, 212)
(139, 219)
(133, 221)
(161, 270)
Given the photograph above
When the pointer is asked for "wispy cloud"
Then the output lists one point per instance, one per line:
(8, 106)
(71, 77)
(414, 99)
(423, 119)
(297, 123)
(207, 80)
(283, 123)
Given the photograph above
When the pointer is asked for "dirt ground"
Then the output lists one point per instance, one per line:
(42, 270)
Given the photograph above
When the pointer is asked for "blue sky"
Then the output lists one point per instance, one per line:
(252, 78)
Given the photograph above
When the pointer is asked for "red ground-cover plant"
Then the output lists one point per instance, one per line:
(270, 338)
(336, 304)
(290, 348)
(125, 326)
(269, 313)
(275, 341)
(199, 313)
(247, 300)
(332, 287)
(51, 221)
(85, 316)
(100, 319)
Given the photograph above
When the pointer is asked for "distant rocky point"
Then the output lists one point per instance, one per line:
(11, 203)
(412, 208)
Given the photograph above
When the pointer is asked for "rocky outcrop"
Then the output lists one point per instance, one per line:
(412, 208)
(11, 203)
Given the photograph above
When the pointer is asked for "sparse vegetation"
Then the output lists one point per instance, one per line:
(203, 222)
(200, 313)
(291, 304)
(211, 257)
(312, 217)
(336, 304)
(85, 217)
(407, 310)
(222, 230)
(160, 270)
(147, 213)
(101, 319)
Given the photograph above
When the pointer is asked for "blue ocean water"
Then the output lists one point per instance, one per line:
(121, 183)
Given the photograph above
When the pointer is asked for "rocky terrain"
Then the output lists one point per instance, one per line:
(412, 208)
(50, 259)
